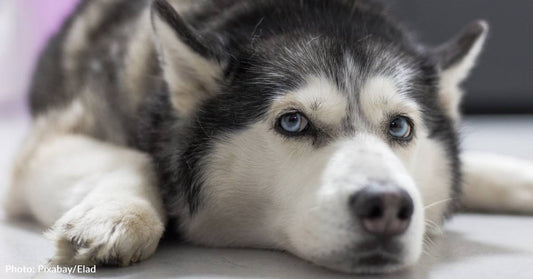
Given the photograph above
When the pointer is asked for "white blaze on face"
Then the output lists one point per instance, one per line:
(425, 158)
(267, 190)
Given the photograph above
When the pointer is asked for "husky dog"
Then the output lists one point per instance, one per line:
(317, 127)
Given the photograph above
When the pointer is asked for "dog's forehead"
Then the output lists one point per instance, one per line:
(354, 96)
(346, 69)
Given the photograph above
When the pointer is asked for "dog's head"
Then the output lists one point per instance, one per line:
(320, 137)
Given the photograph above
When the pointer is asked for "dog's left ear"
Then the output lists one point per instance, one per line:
(455, 59)
(191, 64)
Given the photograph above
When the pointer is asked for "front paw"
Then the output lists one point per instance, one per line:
(109, 234)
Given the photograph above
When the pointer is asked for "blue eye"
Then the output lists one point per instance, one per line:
(293, 122)
(400, 128)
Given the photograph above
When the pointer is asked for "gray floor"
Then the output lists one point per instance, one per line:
(473, 246)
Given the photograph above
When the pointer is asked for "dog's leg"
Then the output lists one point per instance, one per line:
(497, 183)
(102, 199)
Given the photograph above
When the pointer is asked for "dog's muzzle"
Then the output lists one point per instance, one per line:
(367, 214)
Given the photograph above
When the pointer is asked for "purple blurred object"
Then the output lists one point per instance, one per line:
(25, 27)
(47, 16)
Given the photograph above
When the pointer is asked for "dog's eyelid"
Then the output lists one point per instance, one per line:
(409, 116)
(290, 109)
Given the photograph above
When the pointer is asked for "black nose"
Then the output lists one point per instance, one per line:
(383, 210)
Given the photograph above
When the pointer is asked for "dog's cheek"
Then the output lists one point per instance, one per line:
(238, 198)
(430, 168)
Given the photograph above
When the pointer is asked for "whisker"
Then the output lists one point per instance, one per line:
(427, 253)
(429, 241)
(428, 246)
(437, 202)
(432, 223)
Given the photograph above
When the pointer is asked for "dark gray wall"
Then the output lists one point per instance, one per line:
(502, 82)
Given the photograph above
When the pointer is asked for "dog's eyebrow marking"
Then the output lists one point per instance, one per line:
(320, 99)
(380, 96)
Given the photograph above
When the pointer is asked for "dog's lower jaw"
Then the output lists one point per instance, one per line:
(376, 260)
(374, 264)
(351, 259)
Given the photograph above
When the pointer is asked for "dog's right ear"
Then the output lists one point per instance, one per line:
(191, 69)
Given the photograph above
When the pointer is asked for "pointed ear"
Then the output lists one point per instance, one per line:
(455, 59)
(191, 69)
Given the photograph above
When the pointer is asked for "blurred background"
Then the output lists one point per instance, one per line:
(25, 27)
(502, 83)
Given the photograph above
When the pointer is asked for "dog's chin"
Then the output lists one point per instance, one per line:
(369, 264)
(375, 262)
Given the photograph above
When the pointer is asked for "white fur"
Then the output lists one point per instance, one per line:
(380, 98)
(54, 123)
(497, 183)
(102, 199)
(430, 168)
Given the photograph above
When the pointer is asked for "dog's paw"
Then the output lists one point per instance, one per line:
(107, 234)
